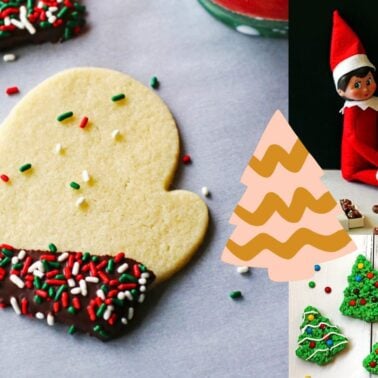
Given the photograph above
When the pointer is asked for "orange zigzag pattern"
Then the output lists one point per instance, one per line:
(292, 161)
(272, 202)
(288, 249)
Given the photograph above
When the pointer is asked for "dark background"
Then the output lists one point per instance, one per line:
(313, 101)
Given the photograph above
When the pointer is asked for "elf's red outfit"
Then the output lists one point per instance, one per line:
(359, 149)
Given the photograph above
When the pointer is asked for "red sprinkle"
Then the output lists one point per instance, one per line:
(41, 293)
(352, 302)
(6, 246)
(48, 257)
(112, 293)
(55, 282)
(91, 313)
(65, 299)
(29, 284)
(113, 282)
(109, 301)
(363, 301)
(186, 159)
(5, 178)
(67, 272)
(93, 269)
(101, 265)
(2, 305)
(370, 275)
(328, 290)
(52, 273)
(127, 286)
(136, 270)
(24, 306)
(84, 122)
(12, 90)
(76, 303)
(103, 277)
(56, 307)
(2, 273)
(112, 319)
(26, 266)
(71, 260)
(119, 257)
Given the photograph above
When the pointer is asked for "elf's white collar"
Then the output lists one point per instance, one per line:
(371, 103)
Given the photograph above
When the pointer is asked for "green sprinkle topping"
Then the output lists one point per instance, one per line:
(311, 284)
(71, 310)
(37, 282)
(38, 299)
(95, 258)
(154, 82)
(45, 286)
(64, 116)
(118, 302)
(142, 268)
(86, 256)
(104, 288)
(235, 294)
(134, 293)
(60, 291)
(53, 264)
(4, 261)
(101, 310)
(17, 266)
(45, 265)
(7, 252)
(118, 97)
(71, 330)
(25, 167)
(74, 185)
(97, 328)
(60, 277)
(51, 292)
(52, 247)
(127, 277)
(110, 266)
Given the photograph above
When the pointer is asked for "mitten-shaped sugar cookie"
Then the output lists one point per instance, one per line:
(86, 162)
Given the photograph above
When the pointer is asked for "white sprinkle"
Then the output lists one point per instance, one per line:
(75, 268)
(85, 176)
(121, 296)
(50, 319)
(17, 281)
(92, 279)
(30, 28)
(39, 315)
(21, 254)
(15, 305)
(108, 312)
(128, 295)
(40, 4)
(145, 275)
(122, 268)
(142, 281)
(7, 21)
(37, 265)
(130, 314)
(115, 134)
(48, 13)
(58, 148)
(38, 273)
(100, 294)
(51, 19)
(141, 298)
(142, 289)
(53, 9)
(63, 257)
(242, 269)
(18, 24)
(71, 282)
(9, 57)
(76, 291)
(124, 321)
(80, 201)
(14, 260)
(205, 191)
(83, 287)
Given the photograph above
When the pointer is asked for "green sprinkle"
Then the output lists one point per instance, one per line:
(134, 293)
(4, 261)
(71, 330)
(7, 252)
(45, 25)
(17, 266)
(101, 310)
(235, 294)
(52, 247)
(104, 334)
(118, 302)
(95, 258)
(60, 291)
(104, 288)
(62, 12)
(45, 286)
(71, 310)
(38, 299)
(118, 97)
(74, 185)
(60, 277)
(142, 268)
(127, 277)
(51, 292)
(64, 116)
(86, 256)
(312, 284)
(110, 266)
(45, 265)
(53, 264)
(154, 82)
(97, 328)
(37, 283)
(25, 167)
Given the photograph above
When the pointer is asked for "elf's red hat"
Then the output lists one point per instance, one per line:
(347, 52)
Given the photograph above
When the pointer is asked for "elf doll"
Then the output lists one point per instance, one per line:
(354, 77)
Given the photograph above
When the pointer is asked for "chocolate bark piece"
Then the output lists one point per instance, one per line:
(38, 21)
(98, 295)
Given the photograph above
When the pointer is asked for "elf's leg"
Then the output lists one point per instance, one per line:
(367, 176)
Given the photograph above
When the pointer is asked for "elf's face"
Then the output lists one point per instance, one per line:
(359, 88)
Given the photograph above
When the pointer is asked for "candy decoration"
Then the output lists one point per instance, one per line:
(154, 82)
(36, 21)
(370, 362)
(235, 294)
(47, 294)
(9, 58)
(12, 90)
(118, 97)
(287, 219)
(323, 343)
(317, 268)
(64, 116)
(25, 167)
(361, 294)
(186, 159)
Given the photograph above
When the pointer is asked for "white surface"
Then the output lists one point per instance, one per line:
(348, 363)
(222, 87)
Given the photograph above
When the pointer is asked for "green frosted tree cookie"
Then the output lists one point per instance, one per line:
(361, 294)
(320, 341)
(371, 361)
